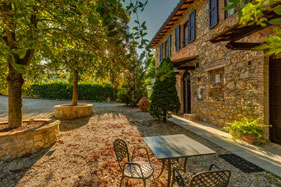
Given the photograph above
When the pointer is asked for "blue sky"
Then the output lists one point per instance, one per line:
(155, 14)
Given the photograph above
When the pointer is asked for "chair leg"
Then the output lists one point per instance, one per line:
(144, 183)
(185, 162)
(121, 180)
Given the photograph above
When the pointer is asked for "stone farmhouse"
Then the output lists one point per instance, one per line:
(219, 76)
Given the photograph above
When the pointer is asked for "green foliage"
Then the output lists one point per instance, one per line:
(246, 126)
(150, 73)
(94, 92)
(3, 83)
(251, 13)
(164, 96)
(133, 87)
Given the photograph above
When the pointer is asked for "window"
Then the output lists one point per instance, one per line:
(185, 38)
(177, 38)
(168, 46)
(216, 84)
(213, 13)
(192, 27)
(230, 12)
(161, 52)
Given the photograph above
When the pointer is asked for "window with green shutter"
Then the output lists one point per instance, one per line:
(192, 26)
(213, 13)
(168, 46)
(177, 38)
(161, 52)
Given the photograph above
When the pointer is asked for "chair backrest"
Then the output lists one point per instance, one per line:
(121, 150)
(211, 178)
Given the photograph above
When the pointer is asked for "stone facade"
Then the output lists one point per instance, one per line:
(242, 75)
(20, 143)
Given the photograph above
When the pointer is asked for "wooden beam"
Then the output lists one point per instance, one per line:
(186, 68)
(178, 63)
(237, 32)
(241, 45)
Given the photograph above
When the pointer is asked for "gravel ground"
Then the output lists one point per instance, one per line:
(84, 156)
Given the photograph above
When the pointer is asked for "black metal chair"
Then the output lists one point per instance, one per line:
(132, 169)
(215, 178)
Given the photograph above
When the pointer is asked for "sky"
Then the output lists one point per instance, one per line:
(155, 14)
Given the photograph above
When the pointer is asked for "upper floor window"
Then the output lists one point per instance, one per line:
(192, 26)
(230, 12)
(213, 13)
(185, 38)
(161, 52)
(177, 38)
(168, 46)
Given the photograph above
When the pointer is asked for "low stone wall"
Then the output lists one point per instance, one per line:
(73, 112)
(24, 142)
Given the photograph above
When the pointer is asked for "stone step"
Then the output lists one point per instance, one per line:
(192, 117)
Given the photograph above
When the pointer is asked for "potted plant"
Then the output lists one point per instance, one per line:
(249, 130)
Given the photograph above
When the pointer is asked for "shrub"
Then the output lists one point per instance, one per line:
(133, 87)
(245, 126)
(164, 95)
(93, 92)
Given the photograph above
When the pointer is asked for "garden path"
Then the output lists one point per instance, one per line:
(84, 156)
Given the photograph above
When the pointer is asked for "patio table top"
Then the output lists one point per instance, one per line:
(176, 146)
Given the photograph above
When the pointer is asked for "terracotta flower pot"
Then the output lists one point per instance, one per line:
(143, 104)
(250, 138)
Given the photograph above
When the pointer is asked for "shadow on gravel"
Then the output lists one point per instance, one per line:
(11, 172)
(68, 125)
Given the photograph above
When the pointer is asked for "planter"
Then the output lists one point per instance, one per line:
(250, 138)
(73, 112)
(143, 104)
(23, 142)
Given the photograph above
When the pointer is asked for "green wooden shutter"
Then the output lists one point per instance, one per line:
(213, 13)
(192, 26)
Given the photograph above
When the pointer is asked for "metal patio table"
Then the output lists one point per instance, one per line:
(169, 147)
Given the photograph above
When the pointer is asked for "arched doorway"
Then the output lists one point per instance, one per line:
(186, 93)
(275, 100)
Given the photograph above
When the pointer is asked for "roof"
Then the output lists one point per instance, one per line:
(171, 20)
(237, 31)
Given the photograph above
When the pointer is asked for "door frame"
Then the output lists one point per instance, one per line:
(186, 106)
(271, 129)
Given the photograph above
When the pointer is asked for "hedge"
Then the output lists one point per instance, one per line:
(93, 92)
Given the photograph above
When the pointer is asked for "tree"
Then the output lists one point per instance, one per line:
(164, 95)
(30, 28)
(253, 12)
(150, 73)
(133, 87)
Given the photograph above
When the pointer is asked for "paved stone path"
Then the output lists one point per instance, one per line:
(267, 157)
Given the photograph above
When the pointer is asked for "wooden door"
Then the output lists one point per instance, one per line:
(186, 93)
(275, 100)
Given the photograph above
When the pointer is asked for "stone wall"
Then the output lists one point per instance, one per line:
(20, 143)
(73, 112)
(243, 72)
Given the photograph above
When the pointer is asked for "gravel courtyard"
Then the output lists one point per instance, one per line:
(84, 156)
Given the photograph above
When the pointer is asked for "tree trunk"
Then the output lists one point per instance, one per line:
(165, 117)
(15, 83)
(75, 88)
